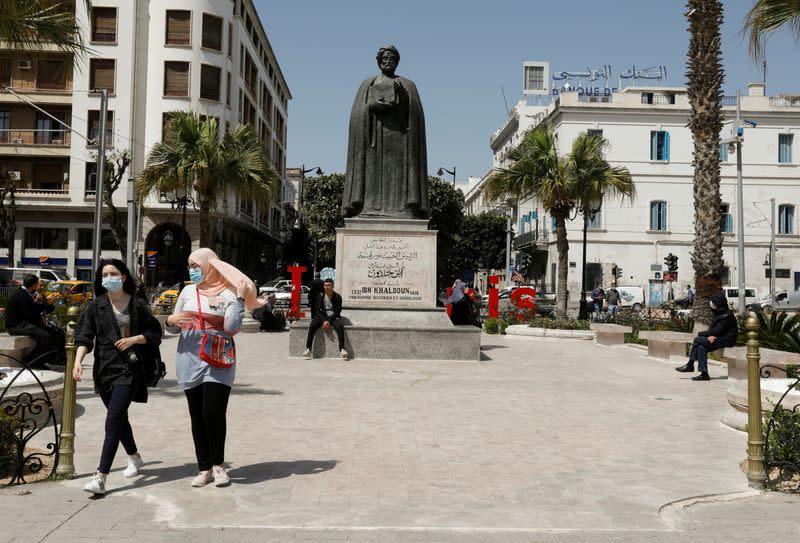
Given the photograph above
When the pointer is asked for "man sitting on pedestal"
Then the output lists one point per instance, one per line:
(722, 333)
(327, 311)
(26, 315)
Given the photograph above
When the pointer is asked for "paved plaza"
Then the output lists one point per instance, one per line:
(542, 440)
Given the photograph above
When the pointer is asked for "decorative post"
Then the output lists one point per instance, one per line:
(66, 450)
(494, 280)
(755, 435)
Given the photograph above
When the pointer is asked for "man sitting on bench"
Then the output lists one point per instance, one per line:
(26, 315)
(327, 311)
(722, 333)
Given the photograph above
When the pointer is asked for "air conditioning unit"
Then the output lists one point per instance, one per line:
(15, 176)
(24, 65)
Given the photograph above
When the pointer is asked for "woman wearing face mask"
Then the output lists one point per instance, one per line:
(113, 323)
(223, 293)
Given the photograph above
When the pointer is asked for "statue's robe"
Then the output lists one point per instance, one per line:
(387, 171)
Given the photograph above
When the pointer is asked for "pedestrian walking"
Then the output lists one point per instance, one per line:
(612, 298)
(115, 324)
(722, 333)
(327, 311)
(208, 314)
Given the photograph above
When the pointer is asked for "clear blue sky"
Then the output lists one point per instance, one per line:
(459, 53)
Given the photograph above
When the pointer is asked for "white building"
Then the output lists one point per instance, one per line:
(646, 128)
(211, 57)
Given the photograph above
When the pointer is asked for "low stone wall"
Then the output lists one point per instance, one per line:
(525, 330)
(14, 348)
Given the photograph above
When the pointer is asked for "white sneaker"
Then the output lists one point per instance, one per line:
(134, 463)
(307, 354)
(202, 479)
(344, 354)
(220, 477)
(96, 486)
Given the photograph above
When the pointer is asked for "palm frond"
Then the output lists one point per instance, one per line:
(764, 18)
(25, 24)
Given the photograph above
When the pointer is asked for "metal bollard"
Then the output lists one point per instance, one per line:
(66, 450)
(755, 434)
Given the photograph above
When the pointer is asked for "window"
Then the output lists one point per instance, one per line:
(534, 78)
(595, 132)
(101, 74)
(212, 32)
(553, 224)
(658, 215)
(51, 74)
(647, 97)
(595, 221)
(104, 25)
(209, 82)
(5, 124)
(723, 152)
(786, 219)
(49, 175)
(176, 78)
(230, 40)
(659, 145)
(179, 27)
(48, 130)
(228, 90)
(90, 179)
(46, 238)
(785, 148)
(165, 117)
(727, 219)
(93, 127)
(86, 240)
(5, 72)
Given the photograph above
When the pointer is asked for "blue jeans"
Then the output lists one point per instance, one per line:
(700, 349)
(598, 310)
(612, 310)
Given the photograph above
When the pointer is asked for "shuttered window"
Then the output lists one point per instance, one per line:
(101, 74)
(104, 24)
(5, 71)
(179, 27)
(210, 82)
(93, 128)
(176, 78)
(51, 75)
(212, 32)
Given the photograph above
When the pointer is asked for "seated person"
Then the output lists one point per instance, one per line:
(327, 311)
(722, 333)
(26, 315)
(462, 308)
(265, 314)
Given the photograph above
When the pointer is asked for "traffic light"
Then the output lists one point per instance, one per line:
(524, 262)
(671, 262)
(616, 271)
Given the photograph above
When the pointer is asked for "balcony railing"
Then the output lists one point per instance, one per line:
(728, 100)
(784, 101)
(34, 192)
(660, 99)
(531, 238)
(35, 137)
(599, 98)
(36, 85)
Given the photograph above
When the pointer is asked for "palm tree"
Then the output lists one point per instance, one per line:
(560, 184)
(192, 158)
(704, 88)
(25, 24)
(765, 17)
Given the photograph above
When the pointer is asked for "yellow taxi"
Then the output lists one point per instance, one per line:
(72, 292)
(170, 296)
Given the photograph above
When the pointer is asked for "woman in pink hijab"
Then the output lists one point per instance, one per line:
(222, 293)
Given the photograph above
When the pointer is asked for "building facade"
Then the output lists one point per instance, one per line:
(211, 57)
(646, 128)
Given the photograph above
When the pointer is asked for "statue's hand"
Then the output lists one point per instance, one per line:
(380, 105)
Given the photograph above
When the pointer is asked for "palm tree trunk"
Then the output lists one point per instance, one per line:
(205, 222)
(562, 246)
(705, 76)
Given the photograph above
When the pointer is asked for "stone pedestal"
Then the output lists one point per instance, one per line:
(386, 275)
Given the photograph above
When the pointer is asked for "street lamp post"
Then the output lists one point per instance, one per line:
(303, 171)
(589, 211)
(441, 171)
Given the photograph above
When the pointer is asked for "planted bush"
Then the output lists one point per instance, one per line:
(559, 324)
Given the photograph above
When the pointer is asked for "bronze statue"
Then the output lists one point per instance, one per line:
(387, 171)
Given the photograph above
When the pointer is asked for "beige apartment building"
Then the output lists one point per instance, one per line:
(153, 57)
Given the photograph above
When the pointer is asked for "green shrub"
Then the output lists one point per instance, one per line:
(776, 330)
(784, 438)
(8, 426)
(559, 324)
(491, 325)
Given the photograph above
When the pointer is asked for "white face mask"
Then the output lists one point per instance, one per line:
(712, 305)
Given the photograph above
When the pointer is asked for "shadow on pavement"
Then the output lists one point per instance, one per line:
(169, 387)
(492, 347)
(263, 471)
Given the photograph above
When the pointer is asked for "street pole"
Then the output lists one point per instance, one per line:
(131, 224)
(508, 248)
(583, 310)
(772, 254)
(101, 170)
(740, 207)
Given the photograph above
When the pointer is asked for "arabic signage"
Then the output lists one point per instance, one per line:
(392, 270)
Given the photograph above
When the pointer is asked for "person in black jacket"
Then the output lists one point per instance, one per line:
(316, 289)
(722, 333)
(327, 311)
(26, 315)
(117, 325)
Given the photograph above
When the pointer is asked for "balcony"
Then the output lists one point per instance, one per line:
(31, 136)
(531, 238)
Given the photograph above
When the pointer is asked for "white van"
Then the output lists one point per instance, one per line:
(732, 295)
(631, 296)
(14, 276)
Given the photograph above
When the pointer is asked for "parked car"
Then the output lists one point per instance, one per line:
(784, 301)
(732, 295)
(274, 286)
(283, 298)
(45, 274)
(73, 292)
(170, 296)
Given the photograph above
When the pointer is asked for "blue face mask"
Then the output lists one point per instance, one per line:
(196, 275)
(112, 283)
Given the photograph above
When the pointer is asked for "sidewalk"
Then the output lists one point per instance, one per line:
(543, 440)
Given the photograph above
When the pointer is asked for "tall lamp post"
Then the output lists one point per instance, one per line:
(590, 209)
(441, 171)
(303, 171)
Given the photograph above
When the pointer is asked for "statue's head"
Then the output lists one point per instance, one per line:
(388, 58)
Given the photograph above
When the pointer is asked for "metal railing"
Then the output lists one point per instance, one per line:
(784, 101)
(34, 85)
(32, 136)
(532, 237)
(34, 191)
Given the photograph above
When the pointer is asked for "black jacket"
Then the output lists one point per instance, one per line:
(319, 306)
(317, 288)
(98, 329)
(724, 327)
(22, 308)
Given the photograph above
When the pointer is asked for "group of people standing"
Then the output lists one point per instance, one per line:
(607, 300)
(121, 330)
